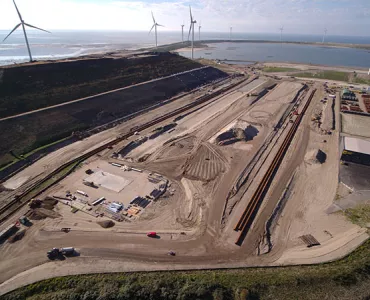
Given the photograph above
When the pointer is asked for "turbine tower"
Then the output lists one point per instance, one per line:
(24, 24)
(155, 24)
(200, 26)
(192, 25)
(231, 32)
(323, 37)
(281, 33)
(182, 31)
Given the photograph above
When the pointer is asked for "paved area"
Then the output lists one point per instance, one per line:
(355, 176)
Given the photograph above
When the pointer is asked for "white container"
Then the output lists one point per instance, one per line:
(81, 193)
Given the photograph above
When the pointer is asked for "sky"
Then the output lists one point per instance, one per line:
(340, 17)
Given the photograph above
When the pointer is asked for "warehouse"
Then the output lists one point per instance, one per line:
(356, 151)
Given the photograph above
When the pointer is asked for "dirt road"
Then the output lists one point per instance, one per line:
(197, 206)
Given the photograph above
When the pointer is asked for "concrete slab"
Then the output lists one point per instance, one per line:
(109, 181)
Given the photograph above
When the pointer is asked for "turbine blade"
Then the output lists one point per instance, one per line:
(189, 30)
(29, 25)
(151, 29)
(15, 28)
(19, 14)
(191, 16)
(160, 25)
(153, 18)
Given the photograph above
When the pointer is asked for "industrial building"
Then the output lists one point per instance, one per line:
(356, 151)
(348, 95)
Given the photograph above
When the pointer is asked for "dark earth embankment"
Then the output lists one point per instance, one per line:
(25, 133)
(32, 86)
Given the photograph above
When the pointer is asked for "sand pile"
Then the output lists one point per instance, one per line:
(241, 131)
(106, 223)
(49, 203)
(315, 156)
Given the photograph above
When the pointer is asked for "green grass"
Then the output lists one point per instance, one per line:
(44, 146)
(6, 165)
(30, 153)
(348, 278)
(330, 75)
(278, 69)
(359, 215)
(360, 80)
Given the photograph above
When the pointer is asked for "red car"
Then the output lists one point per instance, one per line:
(151, 234)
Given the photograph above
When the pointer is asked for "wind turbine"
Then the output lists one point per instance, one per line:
(281, 33)
(182, 31)
(323, 37)
(192, 24)
(155, 24)
(231, 32)
(200, 26)
(24, 24)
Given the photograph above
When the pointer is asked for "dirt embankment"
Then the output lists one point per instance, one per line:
(52, 83)
(27, 132)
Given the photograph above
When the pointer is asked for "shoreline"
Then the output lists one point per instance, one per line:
(331, 45)
(181, 47)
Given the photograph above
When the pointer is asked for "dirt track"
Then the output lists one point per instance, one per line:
(197, 205)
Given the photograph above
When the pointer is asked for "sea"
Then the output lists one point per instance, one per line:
(64, 44)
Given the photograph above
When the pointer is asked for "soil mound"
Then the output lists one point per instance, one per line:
(106, 223)
(241, 131)
(49, 203)
(42, 213)
(205, 165)
(315, 156)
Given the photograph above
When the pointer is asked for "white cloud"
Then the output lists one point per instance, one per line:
(298, 16)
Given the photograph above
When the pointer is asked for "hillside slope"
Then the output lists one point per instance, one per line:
(29, 87)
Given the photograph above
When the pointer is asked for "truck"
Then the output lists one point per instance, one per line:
(56, 252)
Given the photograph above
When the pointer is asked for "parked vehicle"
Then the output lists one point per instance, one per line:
(24, 220)
(152, 234)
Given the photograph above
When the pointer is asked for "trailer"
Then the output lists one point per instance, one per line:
(116, 165)
(82, 193)
(98, 201)
(8, 231)
(67, 250)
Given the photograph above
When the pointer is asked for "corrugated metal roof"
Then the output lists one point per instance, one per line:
(357, 145)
